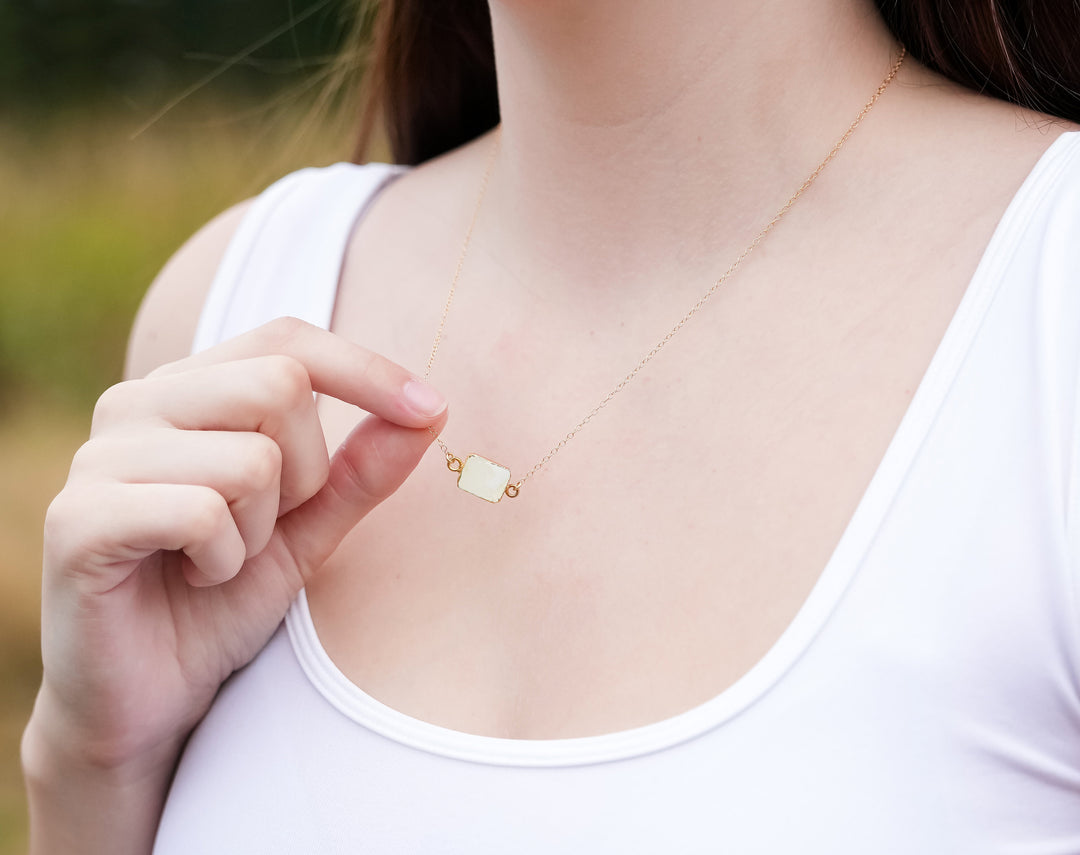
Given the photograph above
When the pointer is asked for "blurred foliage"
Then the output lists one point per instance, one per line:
(89, 216)
(124, 125)
(137, 53)
(35, 447)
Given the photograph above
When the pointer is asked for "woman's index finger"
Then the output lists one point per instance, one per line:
(336, 367)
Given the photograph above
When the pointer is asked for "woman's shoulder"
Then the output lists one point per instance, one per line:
(165, 324)
(164, 328)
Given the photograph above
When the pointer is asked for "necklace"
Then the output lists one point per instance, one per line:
(489, 480)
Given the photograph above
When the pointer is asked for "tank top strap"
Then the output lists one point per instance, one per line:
(285, 257)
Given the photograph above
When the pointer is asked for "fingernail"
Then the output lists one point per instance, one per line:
(423, 399)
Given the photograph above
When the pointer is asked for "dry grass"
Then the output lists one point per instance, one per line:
(35, 447)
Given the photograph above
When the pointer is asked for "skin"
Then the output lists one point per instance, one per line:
(666, 548)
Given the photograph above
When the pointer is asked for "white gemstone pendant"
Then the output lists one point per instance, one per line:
(483, 478)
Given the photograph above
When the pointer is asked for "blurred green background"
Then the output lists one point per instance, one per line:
(124, 125)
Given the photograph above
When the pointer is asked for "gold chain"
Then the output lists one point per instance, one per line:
(511, 490)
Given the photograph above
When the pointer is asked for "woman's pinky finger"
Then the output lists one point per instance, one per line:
(103, 534)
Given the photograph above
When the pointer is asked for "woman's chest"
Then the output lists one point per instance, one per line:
(654, 559)
(680, 526)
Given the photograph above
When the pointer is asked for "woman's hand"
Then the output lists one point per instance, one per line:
(197, 510)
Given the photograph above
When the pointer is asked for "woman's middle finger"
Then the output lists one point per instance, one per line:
(268, 394)
(242, 466)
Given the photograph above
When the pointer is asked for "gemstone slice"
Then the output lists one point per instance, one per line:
(483, 478)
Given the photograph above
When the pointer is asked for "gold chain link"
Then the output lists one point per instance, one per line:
(515, 488)
(451, 460)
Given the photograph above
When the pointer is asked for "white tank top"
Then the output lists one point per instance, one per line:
(925, 699)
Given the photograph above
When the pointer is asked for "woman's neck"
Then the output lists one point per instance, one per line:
(638, 129)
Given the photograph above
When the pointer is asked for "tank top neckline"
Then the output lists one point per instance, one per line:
(826, 594)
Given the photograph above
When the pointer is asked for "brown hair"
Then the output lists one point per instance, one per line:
(1025, 51)
(431, 83)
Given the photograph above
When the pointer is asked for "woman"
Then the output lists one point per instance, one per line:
(802, 584)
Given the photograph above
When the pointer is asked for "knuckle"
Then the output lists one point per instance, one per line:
(363, 474)
(379, 372)
(85, 458)
(371, 366)
(71, 540)
(289, 383)
(262, 463)
(57, 519)
(206, 516)
(280, 333)
(113, 405)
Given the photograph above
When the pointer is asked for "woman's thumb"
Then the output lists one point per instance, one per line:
(368, 467)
